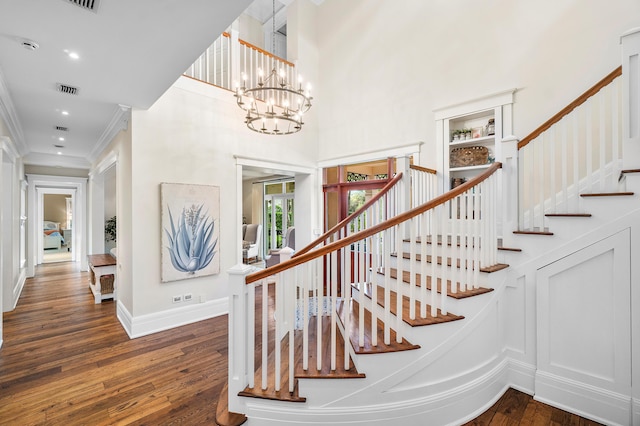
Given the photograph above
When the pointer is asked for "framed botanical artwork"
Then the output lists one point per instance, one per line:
(190, 230)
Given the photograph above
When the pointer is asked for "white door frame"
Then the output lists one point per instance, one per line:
(39, 183)
(41, 191)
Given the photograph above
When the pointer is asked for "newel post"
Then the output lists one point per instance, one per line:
(509, 190)
(240, 329)
(631, 99)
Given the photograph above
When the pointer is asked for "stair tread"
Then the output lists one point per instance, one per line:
(459, 294)
(509, 249)
(630, 171)
(368, 347)
(270, 392)
(535, 231)
(224, 417)
(568, 215)
(607, 194)
(325, 372)
(489, 269)
(418, 321)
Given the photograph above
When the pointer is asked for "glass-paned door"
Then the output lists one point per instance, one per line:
(278, 214)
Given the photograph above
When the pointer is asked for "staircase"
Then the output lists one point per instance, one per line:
(427, 313)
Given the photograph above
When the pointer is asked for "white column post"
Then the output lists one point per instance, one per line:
(631, 161)
(631, 99)
(509, 189)
(239, 330)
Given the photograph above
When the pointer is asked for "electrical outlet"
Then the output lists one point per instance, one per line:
(176, 299)
(188, 297)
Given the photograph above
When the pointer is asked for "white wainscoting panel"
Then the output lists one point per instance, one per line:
(516, 307)
(583, 328)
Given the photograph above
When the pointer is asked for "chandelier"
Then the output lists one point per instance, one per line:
(274, 106)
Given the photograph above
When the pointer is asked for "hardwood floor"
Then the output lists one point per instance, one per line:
(67, 361)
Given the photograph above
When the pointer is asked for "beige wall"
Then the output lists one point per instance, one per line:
(191, 135)
(120, 147)
(385, 66)
(55, 208)
(55, 171)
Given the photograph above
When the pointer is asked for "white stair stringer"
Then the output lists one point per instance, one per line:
(410, 385)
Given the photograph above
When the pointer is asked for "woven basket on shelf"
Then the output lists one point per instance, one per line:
(106, 284)
(469, 156)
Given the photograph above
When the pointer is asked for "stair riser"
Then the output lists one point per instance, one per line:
(417, 247)
(453, 304)
(460, 273)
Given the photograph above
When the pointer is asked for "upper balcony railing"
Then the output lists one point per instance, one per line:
(231, 62)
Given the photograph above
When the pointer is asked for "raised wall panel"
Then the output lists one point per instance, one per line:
(583, 328)
(515, 327)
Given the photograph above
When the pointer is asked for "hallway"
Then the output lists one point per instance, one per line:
(68, 361)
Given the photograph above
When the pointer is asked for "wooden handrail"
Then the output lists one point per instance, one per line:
(402, 217)
(346, 220)
(422, 169)
(264, 52)
(573, 105)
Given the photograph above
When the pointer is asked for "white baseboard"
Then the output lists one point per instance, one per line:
(584, 400)
(522, 376)
(159, 321)
(17, 290)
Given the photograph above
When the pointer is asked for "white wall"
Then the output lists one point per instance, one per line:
(191, 135)
(385, 66)
(119, 150)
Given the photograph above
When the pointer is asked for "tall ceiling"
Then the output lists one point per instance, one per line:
(128, 54)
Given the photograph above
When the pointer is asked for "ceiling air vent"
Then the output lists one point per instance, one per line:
(69, 90)
(91, 5)
(62, 128)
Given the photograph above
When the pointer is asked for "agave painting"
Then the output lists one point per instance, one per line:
(191, 243)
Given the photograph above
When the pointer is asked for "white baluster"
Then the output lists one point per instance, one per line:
(444, 228)
(306, 277)
(387, 286)
(319, 293)
(424, 218)
(334, 305)
(454, 243)
(412, 268)
(251, 340)
(265, 332)
(435, 229)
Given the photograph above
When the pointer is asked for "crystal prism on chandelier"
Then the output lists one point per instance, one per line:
(274, 106)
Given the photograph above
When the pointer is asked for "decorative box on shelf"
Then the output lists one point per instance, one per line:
(469, 156)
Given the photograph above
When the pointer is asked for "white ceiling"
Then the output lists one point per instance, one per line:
(130, 52)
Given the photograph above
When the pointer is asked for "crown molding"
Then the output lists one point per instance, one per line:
(10, 117)
(9, 148)
(119, 121)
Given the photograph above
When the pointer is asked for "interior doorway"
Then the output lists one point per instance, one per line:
(279, 201)
(57, 235)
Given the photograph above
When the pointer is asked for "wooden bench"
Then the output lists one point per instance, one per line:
(102, 280)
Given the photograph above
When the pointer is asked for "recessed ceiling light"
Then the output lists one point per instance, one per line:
(60, 138)
(72, 55)
(59, 153)
(65, 112)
